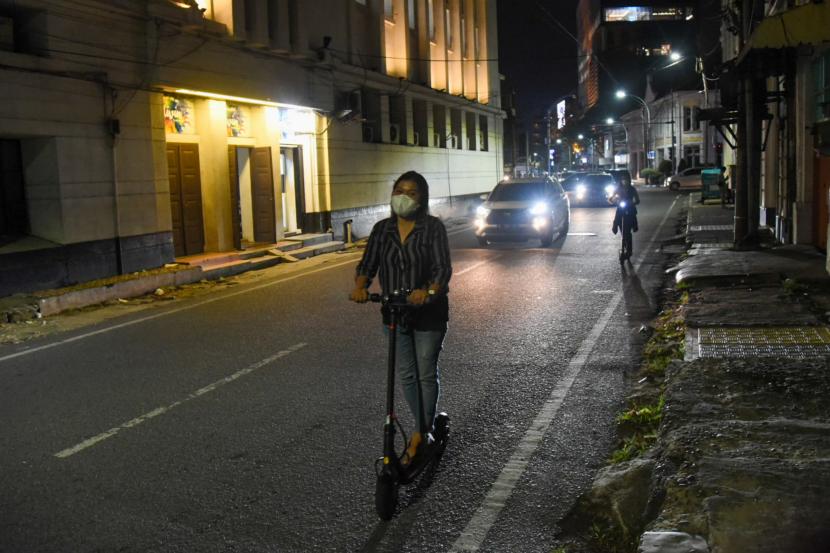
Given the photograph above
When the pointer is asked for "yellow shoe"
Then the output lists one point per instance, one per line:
(412, 448)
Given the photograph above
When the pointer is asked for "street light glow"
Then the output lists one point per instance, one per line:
(581, 136)
(621, 94)
(675, 56)
(559, 141)
(610, 121)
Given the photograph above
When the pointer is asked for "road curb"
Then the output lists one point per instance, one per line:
(53, 305)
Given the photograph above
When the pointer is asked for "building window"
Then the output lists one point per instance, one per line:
(397, 119)
(23, 31)
(692, 156)
(455, 129)
(370, 108)
(419, 122)
(439, 126)
(463, 34)
(483, 133)
(687, 118)
(472, 139)
(361, 2)
(410, 6)
(388, 10)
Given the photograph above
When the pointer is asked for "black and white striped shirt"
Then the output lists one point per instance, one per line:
(423, 259)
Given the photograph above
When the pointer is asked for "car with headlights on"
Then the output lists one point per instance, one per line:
(521, 210)
(590, 188)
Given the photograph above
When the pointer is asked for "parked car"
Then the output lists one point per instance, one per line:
(523, 209)
(688, 179)
(590, 189)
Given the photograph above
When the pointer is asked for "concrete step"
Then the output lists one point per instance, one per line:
(312, 239)
(239, 266)
(317, 249)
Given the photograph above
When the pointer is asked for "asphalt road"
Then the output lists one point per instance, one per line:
(249, 420)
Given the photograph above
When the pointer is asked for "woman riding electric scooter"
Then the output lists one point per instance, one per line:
(410, 252)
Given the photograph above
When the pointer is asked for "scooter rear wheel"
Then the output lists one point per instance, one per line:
(386, 495)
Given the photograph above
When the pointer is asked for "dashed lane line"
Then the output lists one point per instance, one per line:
(68, 452)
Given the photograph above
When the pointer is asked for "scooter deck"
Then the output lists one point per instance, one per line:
(441, 435)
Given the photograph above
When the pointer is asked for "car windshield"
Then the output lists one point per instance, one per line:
(517, 191)
(598, 180)
(570, 182)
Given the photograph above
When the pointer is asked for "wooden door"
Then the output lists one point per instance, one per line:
(236, 205)
(185, 198)
(262, 196)
(821, 198)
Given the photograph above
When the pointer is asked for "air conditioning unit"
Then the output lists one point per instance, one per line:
(394, 133)
(348, 105)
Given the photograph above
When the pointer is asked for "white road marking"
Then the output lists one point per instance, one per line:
(170, 312)
(582, 234)
(63, 454)
(609, 292)
(476, 265)
(475, 532)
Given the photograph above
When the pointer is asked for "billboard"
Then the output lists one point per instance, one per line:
(560, 115)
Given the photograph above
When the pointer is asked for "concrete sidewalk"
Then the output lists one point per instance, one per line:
(186, 270)
(741, 458)
(746, 425)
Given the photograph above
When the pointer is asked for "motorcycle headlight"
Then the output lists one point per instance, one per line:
(482, 211)
(623, 204)
(610, 189)
(539, 209)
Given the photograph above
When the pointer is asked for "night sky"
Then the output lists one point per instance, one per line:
(535, 54)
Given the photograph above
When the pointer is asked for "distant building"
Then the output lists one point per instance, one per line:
(137, 132)
(620, 43)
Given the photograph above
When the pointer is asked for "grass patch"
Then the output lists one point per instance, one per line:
(637, 426)
(612, 539)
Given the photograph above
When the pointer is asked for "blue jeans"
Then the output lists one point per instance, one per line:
(417, 353)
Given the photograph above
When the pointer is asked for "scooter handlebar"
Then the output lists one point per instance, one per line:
(399, 299)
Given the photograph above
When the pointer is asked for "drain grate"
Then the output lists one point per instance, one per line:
(701, 228)
(789, 341)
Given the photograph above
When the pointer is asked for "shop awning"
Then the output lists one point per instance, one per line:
(802, 25)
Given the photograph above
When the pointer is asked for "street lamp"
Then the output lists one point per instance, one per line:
(581, 136)
(623, 94)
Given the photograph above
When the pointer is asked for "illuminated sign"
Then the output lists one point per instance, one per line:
(561, 120)
(630, 14)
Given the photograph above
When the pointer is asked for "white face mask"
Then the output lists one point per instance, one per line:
(404, 206)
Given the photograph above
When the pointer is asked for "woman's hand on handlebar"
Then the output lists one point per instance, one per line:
(418, 297)
(359, 295)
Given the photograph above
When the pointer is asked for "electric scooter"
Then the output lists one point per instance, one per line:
(625, 228)
(391, 471)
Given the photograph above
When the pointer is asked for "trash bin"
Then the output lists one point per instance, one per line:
(709, 180)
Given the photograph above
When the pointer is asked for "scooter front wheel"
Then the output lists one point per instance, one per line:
(386, 495)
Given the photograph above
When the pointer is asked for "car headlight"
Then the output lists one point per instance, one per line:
(610, 189)
(482, 211)
(581, 190)
(540, 208)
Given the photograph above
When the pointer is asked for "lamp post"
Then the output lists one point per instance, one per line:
(647, 127)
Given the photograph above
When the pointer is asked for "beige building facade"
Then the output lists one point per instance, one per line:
(135, 132)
